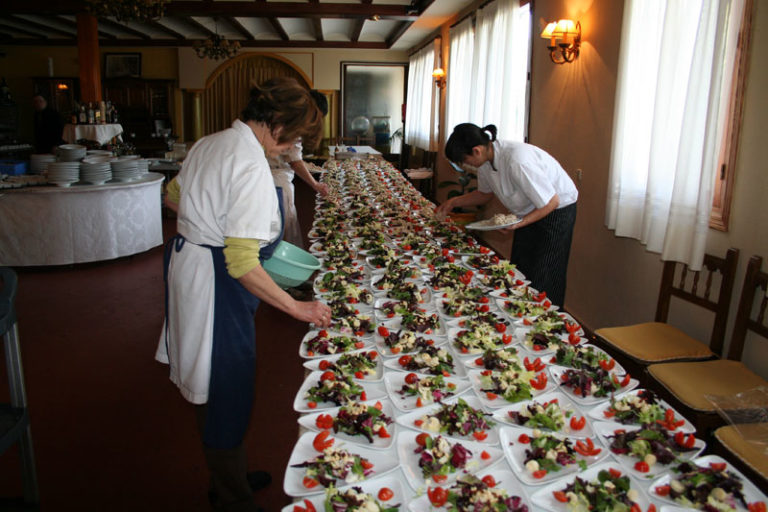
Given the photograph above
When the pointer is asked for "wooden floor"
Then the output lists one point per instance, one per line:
(110, 431)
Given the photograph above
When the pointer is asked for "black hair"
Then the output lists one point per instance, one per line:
(321, 100)
(466, 136)
(282, 102)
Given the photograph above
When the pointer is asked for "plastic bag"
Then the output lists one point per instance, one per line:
(746, 408)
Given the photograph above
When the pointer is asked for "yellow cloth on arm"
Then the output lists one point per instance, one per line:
(241, 255)
(173, 191)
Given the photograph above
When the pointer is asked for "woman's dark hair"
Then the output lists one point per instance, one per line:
(466, 136)
(283, 103)
(320, 100)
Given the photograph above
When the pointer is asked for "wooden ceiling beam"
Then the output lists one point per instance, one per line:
(240, 28)
(278, 28)
(397, 33)
(36, 40)
(39, 26)
(357, 30)
(123, 28)
(4, 25)
(318, 29)
(73, 25)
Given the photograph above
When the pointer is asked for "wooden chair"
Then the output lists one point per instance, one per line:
(654, 342)
(688, 383)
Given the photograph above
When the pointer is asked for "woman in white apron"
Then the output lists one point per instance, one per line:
(228, 219)
(530, 183)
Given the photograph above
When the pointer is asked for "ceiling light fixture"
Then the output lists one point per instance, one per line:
(127, 10)
(216, 47)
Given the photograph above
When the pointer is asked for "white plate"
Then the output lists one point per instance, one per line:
(394, 382)
(314, 364)
(311, 334)
(515, 453)
(384, 461)
(617, 368)
(406, 446)
(598, 412)
(372, 487)
(545, 499)
(604, 430)
(556, 372)
(475, 377)
(308, 421)
(471, 363)
(407, 420)
(373, 390)
(566, 405)
(458, 368)
(473, 353)
(378, 305)
(750, 491)
(387, 351)
(484, 225)
(518, 319)
(504, 480)
(426, 296)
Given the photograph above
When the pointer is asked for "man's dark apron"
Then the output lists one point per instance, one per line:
(233, 357)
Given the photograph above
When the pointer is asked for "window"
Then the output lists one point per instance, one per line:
(670, 121)
(421, 112)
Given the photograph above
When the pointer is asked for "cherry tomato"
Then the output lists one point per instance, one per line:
(363, 396)
(404, 360)
(309, 483)
(309, 506)
(324, 421)
(480, 435)
(323, 333)
(421, 439)
(540, 382)
(635, 508)
(757, 506)
(541, 473)
(312, 405)
(717, 466)
(366, 463)
(615, 473)
(383, 331)
(324, 365)
(386, 494)
(437, 496)
(662, 490)
(607, 365)
(489, 481)
(479, 361)
(378, 405)
(609, 413)
(560, 496)
(500, 327)
(321, 441)
(419, 402)
(491, 396)
(439, 478)
(485, 455)
(359, 375)
(328, 376)
(297, 508)
(642, 466)
(383, 433)
(578, 423)
(523, 438)
(651, 508)
(506, 339)
(411, 378)
(359, 344)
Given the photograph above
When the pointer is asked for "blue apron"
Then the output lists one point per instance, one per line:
(233, 357)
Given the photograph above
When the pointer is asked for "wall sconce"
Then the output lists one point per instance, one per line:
(569, 34)
(439, 76)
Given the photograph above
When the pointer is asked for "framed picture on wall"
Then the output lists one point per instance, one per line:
(122, 65)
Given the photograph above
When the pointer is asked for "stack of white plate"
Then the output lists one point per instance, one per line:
(98, 152)
(70, 152)
(124, 170)
(63, 174)
(143, 166)
(39, 162)
(95, 172)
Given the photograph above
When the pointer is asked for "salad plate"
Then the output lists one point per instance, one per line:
(329, 419)
(382, 304)
(474, 343)
(374, 490)
(707, 470)
(407, 342)
(330, 343)
(516, 441)
(557, 374)
(607, 472)
(550, 412)
(567, 355)
(490, 225)
(424, 389)
(526, 384)
(502, 479)
(502, 358)
(477, 427)
(472, 458)
(629, 413)
(348, 366)
(365, 391)
(524, 312)
(521, 291)
(632, 463)
(402, 365)
(381, 462)
(396, 323)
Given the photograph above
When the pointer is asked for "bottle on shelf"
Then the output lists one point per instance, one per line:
(75, 114)
(83, 119)
(102, 112)
(108, 118)
(115, 118)
(91, 114)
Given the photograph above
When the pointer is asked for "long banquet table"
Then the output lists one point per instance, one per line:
(81, 223)
(393, 454)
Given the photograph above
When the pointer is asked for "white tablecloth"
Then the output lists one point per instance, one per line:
(101, 133)
(362, 150)
(82, 223)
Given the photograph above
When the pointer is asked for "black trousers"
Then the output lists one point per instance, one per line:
(541, 250)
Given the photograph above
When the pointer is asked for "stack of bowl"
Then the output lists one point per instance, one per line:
(70, 152)
(96, 169)
(63, 174)
(125, 168)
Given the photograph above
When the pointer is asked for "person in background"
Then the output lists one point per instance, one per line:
(229, 220)
(48, 126)
(530, 183)
(284, 167)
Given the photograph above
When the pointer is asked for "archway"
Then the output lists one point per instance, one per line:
(226, 90)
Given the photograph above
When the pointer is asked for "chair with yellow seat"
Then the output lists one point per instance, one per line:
(689, 383)
(655, 342)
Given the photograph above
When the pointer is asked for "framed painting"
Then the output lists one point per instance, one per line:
(122, 65)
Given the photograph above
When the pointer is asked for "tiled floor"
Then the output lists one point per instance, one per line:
(110, 431)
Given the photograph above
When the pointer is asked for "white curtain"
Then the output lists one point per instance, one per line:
(487, 78)
(420, 112)
(673, 85)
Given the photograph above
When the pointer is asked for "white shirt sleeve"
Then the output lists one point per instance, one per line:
(293, 154)
(483, 184)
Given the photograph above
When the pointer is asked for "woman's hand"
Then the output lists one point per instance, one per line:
(444, 209)
(321, 188)
(313, 312)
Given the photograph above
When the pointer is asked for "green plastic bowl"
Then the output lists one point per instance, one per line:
(290, 266)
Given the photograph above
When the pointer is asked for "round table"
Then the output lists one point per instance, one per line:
(81, 223)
